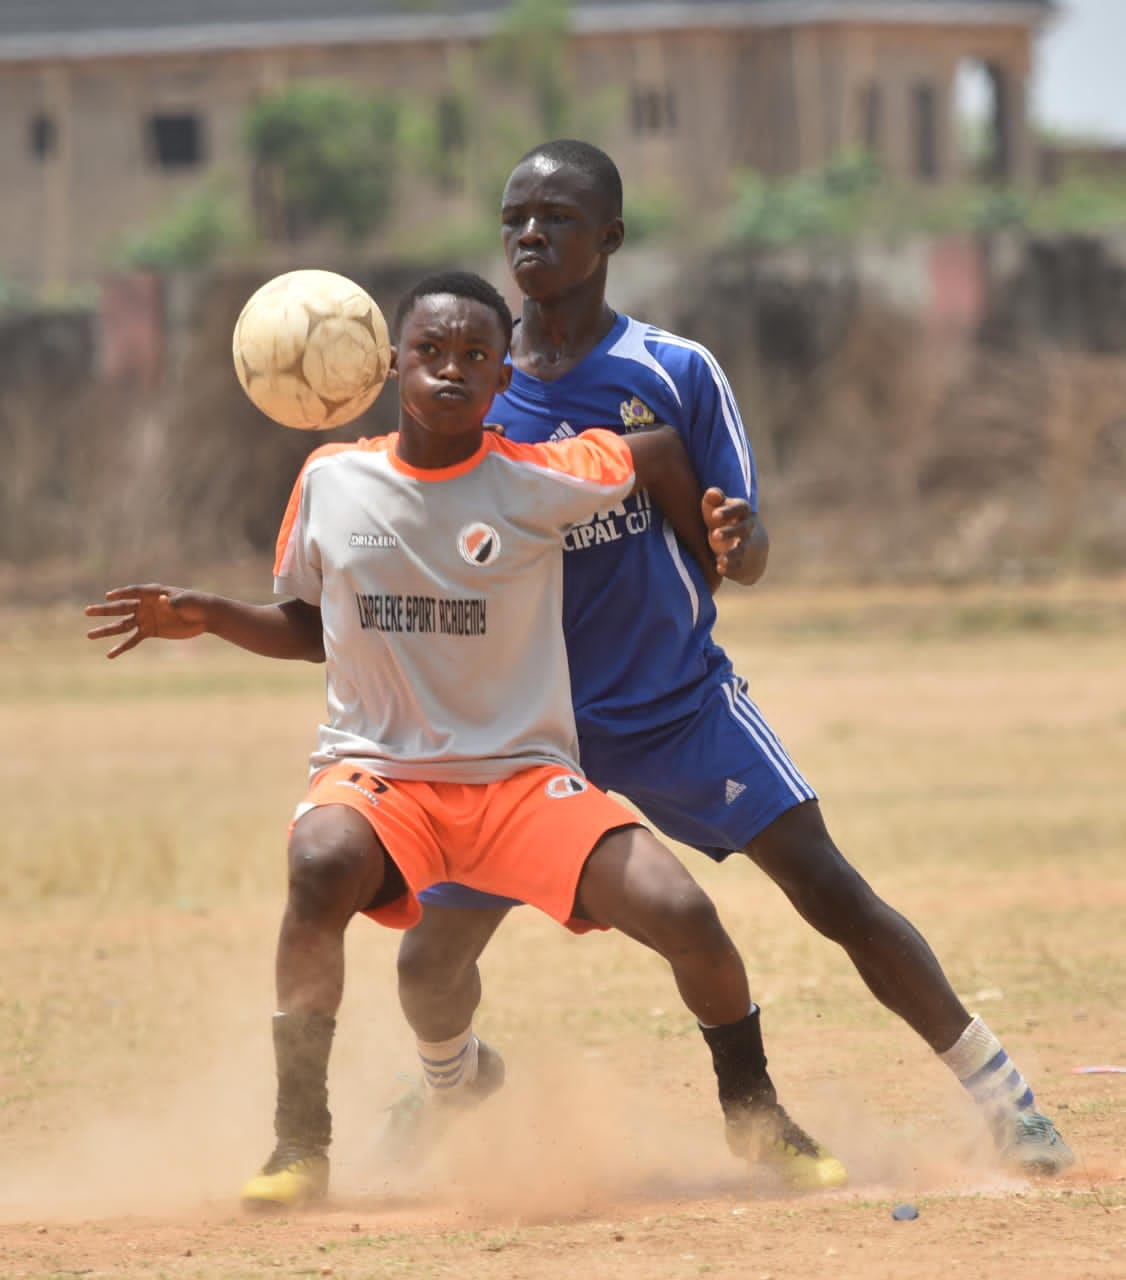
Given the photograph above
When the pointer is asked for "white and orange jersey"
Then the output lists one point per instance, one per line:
(441, 599)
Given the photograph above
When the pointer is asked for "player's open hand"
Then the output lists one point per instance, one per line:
(147, 612)
(735, 536)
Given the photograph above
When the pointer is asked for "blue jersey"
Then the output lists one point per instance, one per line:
(662, 718)
(637, 612)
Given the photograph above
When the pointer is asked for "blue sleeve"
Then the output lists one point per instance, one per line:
(713, 429)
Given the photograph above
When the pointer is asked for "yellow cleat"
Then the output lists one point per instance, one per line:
(294, 1177)
(766, 1136)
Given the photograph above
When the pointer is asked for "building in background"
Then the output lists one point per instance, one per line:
(110, 110)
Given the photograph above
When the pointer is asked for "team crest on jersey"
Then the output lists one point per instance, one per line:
(636, 413)
(478, 543)
(565, 784)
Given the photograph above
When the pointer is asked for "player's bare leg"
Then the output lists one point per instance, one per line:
(439, 991)
(902, 972)
(439, 982)
(634, 884)
(336, 868)
(890, 954)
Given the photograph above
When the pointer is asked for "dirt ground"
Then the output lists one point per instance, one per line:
(970, 751)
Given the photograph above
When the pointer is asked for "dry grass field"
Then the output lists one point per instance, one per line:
(970, 750)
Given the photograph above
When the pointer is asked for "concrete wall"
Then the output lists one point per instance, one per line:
(778, 99)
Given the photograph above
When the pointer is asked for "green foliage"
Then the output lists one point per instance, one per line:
(807, 206)
(462, 240)
(530, 46)
(1000, 209)
(499, 105)
(851, 174)
(435, 132)
(192, 234)
(12, 294)
(327, 155)
(648, 214)
(1081, 204)
(850, 198)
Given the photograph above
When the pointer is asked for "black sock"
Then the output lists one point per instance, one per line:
(740, 1063)
(302, 1043)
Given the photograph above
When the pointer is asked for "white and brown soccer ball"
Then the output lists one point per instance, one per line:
(311, 349)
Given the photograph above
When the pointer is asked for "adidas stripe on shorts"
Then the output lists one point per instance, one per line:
(712, 780)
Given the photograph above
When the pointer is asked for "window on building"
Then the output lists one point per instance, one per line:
(452, 140)
(42, 136)
(872, 119)
(653, 110)
(981, 111)
(926, 132)
(451, 124)
(176, 141)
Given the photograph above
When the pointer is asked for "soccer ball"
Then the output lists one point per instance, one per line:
(311, 349)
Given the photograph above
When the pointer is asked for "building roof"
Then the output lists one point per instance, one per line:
(32, 30)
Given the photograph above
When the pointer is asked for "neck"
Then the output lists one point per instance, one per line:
(553, 336)
(422, 449)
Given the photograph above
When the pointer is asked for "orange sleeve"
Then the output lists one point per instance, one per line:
(597, 454)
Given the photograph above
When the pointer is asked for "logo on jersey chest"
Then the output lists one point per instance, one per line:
(479, 544)
(636, 413)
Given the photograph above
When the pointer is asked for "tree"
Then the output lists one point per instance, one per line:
(192, 233)
(530, 46)
(325, 158)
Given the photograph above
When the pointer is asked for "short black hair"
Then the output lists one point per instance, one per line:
(587, 159)
(462, 284)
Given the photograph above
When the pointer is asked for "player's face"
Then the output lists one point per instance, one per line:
(556, 228)
(451, 363)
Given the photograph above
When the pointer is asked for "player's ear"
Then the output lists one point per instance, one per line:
(393, 369)
(504, 378)
(613, 236)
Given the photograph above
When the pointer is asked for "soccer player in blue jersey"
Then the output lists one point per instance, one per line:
(663, 718)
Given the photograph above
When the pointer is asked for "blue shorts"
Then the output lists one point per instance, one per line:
(712, 780)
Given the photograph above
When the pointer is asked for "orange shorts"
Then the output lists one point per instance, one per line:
(526, 837)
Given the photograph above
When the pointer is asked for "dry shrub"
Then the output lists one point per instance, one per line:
(147, 482)
(908, 453)
(889, 447)
(67, 490)
(886, 449)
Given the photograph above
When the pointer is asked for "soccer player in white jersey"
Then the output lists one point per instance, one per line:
(425, 570)
(662, 717)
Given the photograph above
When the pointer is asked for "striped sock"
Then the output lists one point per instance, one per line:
(448, 1064)
(986, 1072)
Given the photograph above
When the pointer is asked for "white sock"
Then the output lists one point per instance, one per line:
(983, 1067)
(448, 1064)
(711, 1026)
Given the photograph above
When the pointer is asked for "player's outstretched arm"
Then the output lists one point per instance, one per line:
(736, 536)
(288, 629)
(664, 468)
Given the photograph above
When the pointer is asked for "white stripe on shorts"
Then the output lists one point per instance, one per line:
(749, 716)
